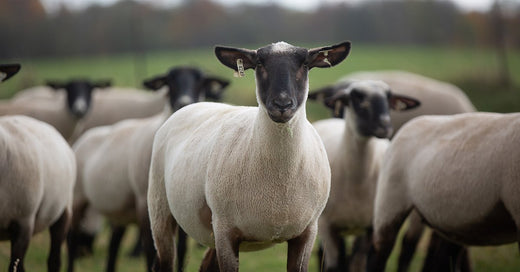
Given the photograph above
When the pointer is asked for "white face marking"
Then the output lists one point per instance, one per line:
(185, 100)
(280, 47)
(385, 118)
(80, 105)
(2, 76)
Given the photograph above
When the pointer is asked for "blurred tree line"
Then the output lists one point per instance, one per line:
(129, 26)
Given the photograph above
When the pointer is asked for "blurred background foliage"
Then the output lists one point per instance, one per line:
(27, 30)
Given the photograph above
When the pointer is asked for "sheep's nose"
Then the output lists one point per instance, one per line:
(184, 100)
(384, 120)
(283, 102)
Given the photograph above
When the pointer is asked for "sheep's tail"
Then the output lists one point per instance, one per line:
(162, 223)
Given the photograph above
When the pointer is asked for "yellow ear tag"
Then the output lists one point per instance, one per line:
(326, 59)
(240, 69)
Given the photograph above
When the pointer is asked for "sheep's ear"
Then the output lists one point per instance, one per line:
(55, 85)
(214, 87)
(326, 92)
(8, 70)
(337, 102)
(155, 83)
(328, 56)
(229, 57)
(101, 84)
(402, 103)
(323, 93)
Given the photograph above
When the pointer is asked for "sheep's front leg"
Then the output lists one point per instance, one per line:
(300, 248)
(410, 241)
(384, 237)
(227, 242)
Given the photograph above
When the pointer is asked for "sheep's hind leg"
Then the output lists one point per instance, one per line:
(300, 249)
(58, 232)
(20, 234)
(182, 246)
(163, 233)
(445, 255)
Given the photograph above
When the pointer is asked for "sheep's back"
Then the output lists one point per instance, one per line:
(461, 171)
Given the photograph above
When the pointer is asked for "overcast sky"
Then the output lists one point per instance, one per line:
(51, 5)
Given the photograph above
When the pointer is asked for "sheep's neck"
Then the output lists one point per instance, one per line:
(357, 152)
(167, 111)
(280, 140)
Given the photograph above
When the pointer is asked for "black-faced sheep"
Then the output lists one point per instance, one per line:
(37, 177)
(355, 147)
(244, 178)
(114, 160)
(437, 98)
(63, 114)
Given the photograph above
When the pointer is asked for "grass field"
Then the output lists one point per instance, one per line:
(474, 70)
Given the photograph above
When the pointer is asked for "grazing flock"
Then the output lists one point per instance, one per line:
(78, 153)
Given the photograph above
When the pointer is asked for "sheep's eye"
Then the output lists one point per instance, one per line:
(355, 94)
(258, 63)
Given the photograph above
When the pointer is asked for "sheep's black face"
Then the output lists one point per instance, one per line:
(187, 85)
(281, 74)
(372, 113)
(368, 105)
(184, 87)
(79, 94)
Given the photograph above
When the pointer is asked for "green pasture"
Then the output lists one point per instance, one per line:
(474, 70)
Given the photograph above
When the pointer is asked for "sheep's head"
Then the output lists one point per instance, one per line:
(79, 93)
(368, 103)
(187, 85)
(281, 72)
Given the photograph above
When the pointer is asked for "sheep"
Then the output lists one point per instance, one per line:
(460, 173)
(354, 147)
(244, 178)
(437, 97)
(37, 176)
(114, 177)
(107, 107)
(65, 116)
